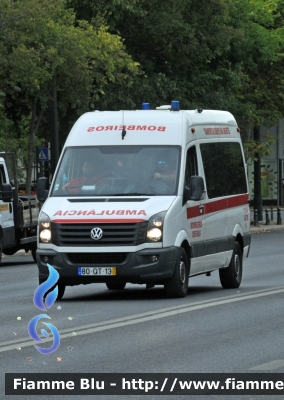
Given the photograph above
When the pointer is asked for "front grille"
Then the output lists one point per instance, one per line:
(78, 235)
(97, 258)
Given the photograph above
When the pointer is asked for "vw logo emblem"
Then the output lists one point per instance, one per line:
(96, 233)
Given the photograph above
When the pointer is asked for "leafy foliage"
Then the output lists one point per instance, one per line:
(259, 148)
(114, 54)
(43, 48)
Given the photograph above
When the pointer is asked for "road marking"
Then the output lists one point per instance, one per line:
(270, 366)
(143, 317)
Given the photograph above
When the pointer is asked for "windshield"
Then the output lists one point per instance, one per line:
(118, 171)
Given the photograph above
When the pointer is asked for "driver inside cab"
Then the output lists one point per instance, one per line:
(164, 172)
(90, 177)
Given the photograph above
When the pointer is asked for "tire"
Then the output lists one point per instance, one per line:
(177, 285)
(34, 255)
(61, 290)
(231, 276)
(115, 285)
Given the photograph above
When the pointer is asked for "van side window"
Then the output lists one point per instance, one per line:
(191, 165)
(223, 168)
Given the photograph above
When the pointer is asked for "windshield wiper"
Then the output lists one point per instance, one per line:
(131, 194)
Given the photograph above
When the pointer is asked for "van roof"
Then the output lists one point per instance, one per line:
(149, 126)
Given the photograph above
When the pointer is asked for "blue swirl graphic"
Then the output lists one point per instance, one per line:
(45, 287)
(34, 335)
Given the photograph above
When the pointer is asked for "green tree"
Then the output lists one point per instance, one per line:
(259, 48)
(224, 54)
(43, 48)
(184, 48)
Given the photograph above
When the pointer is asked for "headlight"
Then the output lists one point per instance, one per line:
(44, 228)
(45, 235)
(45, 224)
(158, 220)
(154, 234)
(155, 227)
(44, 220)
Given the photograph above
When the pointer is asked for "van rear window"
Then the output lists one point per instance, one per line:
(223, 168)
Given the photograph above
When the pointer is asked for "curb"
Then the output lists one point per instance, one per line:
(266, 228)
(18, 253)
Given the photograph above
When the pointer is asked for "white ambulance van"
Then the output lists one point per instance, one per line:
(147, 197)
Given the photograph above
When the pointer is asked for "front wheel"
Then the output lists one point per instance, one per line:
(61, 290)
(115, 285)
(34, 255)
(177, 285)
(231, 276)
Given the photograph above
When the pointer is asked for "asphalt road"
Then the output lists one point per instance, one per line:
(139, 330)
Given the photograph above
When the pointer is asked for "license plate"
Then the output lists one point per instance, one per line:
(102, 271)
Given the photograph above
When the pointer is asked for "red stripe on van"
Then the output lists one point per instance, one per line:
(240, 200)
(218, 205)
(193, 212)
(96, 221)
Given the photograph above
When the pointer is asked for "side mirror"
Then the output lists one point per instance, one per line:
(42, 189)
(196, 188)
(7, 193)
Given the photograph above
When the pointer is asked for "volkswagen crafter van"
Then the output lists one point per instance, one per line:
(166, 198)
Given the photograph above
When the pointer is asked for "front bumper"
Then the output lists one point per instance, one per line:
(137, 268)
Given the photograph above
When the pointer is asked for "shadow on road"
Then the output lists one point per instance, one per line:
(13, 261)
(138, 294)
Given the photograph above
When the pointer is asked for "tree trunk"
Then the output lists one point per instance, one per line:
(31, 146)
(257, 178)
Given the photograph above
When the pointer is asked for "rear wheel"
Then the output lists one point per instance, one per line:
(231, 276)
(177, 285)
(115, 285)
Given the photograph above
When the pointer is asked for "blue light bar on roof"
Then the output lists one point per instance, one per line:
(146, 106)
(175, 105)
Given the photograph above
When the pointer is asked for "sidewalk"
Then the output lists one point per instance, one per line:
(262, 228)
